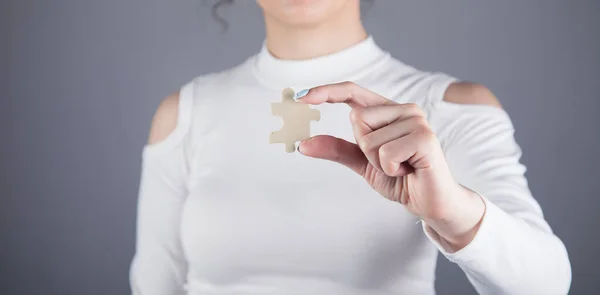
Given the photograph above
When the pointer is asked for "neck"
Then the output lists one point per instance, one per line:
(306, 42)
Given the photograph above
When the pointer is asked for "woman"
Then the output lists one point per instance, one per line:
(419, 163)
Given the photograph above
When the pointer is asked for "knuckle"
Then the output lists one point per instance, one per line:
(423, 124)
(414, 108)
(417, 122)
(348, 83)
(357, 115)
(350, 87)
(427, 136)
(366, 143)
(385, 159)
(420, 124)
(385, 151)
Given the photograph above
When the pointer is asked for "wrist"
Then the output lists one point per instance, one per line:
(458, 226)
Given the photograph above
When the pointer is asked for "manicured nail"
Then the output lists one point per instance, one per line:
(302, 93)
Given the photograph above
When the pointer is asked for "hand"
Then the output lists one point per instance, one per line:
(399, 155)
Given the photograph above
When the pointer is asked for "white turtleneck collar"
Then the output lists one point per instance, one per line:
(343, 65)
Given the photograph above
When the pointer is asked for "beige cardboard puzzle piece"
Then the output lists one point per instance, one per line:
(296, 118)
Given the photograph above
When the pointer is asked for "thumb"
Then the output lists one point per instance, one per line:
(335, 149)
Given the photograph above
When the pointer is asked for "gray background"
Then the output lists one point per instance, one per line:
(81, 80)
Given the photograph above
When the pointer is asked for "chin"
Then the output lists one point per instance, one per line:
(303, 12)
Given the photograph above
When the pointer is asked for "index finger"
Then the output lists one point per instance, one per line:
(345, 92)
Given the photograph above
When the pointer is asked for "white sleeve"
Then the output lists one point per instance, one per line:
(159, 266)
(514, 250)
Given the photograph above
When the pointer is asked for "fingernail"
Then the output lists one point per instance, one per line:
(298, 149)
(301, 93)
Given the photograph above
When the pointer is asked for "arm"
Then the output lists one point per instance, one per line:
(498, 236)
(512, 249)
(159, 266)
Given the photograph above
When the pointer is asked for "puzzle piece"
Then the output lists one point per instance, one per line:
(296, 118)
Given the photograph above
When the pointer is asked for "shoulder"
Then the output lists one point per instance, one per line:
(429, 88)
(467, 110)
(174, 111)
(471, 93)
(165, 119)
(469, 116)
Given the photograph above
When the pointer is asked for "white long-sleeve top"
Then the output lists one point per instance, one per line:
(222, 211)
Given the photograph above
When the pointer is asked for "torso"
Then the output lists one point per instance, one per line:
(258, 220)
